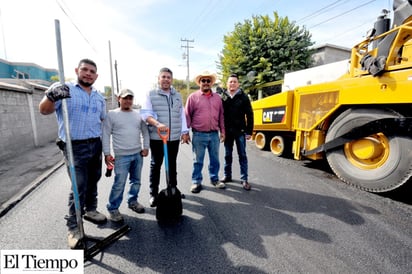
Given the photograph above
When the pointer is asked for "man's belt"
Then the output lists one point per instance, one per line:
(85, 141)
(210, 131)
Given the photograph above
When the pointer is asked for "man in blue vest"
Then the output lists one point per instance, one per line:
(162, 108)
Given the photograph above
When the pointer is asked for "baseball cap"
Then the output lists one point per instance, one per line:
(125, 92)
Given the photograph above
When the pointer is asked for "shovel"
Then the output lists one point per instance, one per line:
(164, 135)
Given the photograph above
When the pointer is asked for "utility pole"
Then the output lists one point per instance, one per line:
(111, 74)
(187, 59)
(117, 78)
(4, 37)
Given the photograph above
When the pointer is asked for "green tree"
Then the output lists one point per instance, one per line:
(54, 78)
(265, 49)
(108, 92)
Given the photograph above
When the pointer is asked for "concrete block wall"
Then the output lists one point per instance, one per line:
(22, 127)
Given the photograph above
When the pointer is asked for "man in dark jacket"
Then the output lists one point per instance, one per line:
(238, 116)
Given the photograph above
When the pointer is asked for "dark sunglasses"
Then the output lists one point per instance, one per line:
(205, 81)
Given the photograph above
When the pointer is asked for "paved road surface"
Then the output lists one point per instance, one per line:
(25, 171)
(295, 220)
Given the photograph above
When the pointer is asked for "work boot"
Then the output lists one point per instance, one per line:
(196, 188)
(218, 184)
(95, 216)
(246, 185)
(115, 216)
(73, 237)
(136, 207)
(226, 179)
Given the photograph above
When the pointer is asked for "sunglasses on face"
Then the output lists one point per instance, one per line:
(206, 81)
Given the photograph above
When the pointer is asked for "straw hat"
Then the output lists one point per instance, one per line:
(206, 74)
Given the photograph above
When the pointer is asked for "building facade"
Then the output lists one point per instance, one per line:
(328, 53)
(22, 70)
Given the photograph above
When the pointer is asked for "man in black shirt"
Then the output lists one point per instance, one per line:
(238, 116)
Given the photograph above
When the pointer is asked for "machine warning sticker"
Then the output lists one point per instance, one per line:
(273, 115)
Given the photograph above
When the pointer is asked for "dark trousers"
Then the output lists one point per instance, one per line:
(240, 141)
(156, 161)
(87, 158)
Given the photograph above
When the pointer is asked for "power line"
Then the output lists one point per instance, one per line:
(346, 32)
(4, 36)
(203, 16)
(74, 24)
(343, 13)
(319, 11)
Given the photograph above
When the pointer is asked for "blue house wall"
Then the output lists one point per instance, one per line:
(19, 70)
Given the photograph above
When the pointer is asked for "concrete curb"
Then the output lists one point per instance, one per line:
(13, 201)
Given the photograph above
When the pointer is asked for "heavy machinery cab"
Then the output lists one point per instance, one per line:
(386, 48)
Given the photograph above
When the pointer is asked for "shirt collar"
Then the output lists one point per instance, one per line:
(210, 94)
(236, 92)
(172, 91)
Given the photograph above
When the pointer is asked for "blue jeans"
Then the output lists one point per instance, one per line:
(241, 151)
(200, 142)
(87, 163)
(125, 165)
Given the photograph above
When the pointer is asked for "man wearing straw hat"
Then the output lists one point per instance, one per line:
(204, 115)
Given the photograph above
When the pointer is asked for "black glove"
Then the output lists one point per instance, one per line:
(58, 92)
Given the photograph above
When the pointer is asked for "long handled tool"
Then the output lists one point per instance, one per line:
(164, 135)
(89, 252)
(169, 200)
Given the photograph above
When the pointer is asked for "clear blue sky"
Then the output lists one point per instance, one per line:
(146, 34)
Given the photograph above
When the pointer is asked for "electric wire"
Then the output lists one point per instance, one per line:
(202, 17)
(336, 37)
(208, 13)
(341, 14)
(319, 11)
(344, 33)
(74, 24)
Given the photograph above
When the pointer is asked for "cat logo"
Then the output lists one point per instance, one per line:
(273, 115)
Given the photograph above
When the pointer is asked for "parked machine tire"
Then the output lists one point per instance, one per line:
(376, 163)
(277, 145)
(260, 141)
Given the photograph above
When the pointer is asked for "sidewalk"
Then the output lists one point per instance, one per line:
(21, 174)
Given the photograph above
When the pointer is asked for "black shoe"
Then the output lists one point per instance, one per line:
(95, 217)
(152, 201)
(246, 185)
(196, 188)
(226, 179)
